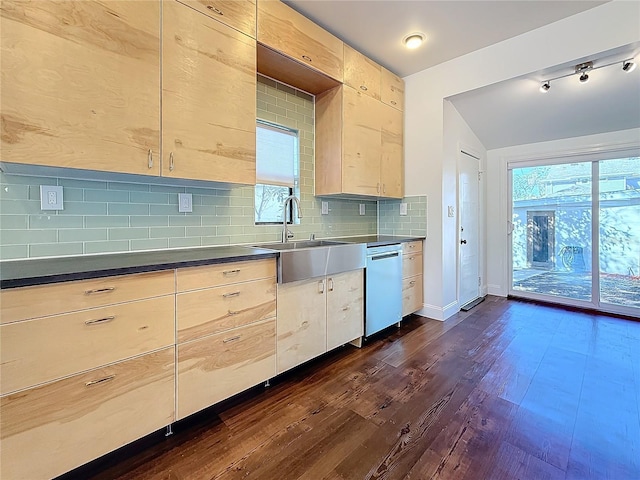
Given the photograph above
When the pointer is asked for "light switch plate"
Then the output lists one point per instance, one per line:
(403, 208)
(451, 211)
(185, 202)
(361, 209)
(325, 208)
(51, 197)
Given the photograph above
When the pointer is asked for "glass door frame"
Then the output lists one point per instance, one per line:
(563, 158)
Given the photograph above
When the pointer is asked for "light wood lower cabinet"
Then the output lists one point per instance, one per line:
(317, 315)
(37, 351)
(412, 277)
(218, 366)
(53, 428)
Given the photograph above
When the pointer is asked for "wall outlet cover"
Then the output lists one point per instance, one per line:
(403, 208)
(325, 208)
(361, 209)
(185, 203)
(51, 197)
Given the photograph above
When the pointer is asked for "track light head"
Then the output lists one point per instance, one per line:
(628, 66)
(544, 88)
(584, 78)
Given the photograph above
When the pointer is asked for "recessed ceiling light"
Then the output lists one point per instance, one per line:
(413, 40)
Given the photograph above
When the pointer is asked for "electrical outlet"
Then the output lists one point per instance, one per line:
(362, 209)
(403, 209)
(325, 208)
(185, 202)
(51, 197)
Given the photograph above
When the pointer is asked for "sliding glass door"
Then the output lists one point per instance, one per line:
(575, 240)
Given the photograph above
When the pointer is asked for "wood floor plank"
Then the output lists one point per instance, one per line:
(508, 390)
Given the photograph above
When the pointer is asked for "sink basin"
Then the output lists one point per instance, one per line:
(316, 258)
(298, 245)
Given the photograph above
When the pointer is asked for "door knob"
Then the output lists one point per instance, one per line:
(463, 242)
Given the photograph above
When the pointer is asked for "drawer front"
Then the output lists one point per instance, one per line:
(283, 29)
(213, 310)
(56, 427)
(238, 14)
(412, 247)
(41, 350)
(219, 366)
(412, 294)
(18, 303)
(225, 273)
(411, 265)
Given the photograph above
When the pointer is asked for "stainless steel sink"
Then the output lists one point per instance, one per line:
(316, 258)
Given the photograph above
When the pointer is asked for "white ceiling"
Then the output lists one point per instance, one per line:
(509, 113)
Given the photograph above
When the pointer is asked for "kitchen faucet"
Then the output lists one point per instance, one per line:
(286, 233)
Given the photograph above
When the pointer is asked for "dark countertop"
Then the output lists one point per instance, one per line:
(20, 273)
(378, 240)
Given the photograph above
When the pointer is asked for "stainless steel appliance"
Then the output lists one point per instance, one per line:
(383, 280)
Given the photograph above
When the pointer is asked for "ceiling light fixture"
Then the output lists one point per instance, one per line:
(583, 69)
(413, 40)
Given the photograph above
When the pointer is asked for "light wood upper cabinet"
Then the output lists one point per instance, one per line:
(284, 30)
(80, 83)
(238, 14)
(392, 160)
(345, 308)
(361, 73)
(358, 145)
(392, 89)
(208, 98)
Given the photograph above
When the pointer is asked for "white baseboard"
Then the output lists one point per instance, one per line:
(496, 290)
(439, 313)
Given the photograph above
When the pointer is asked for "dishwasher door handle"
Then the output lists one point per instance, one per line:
(386, 255)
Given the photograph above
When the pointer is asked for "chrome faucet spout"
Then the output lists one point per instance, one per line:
(286, 234)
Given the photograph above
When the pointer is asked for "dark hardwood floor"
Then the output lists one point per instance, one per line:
(508, 390)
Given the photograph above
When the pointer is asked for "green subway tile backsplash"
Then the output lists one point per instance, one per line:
(104, 216)
(390, 222)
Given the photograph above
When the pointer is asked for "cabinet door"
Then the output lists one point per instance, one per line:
(208, 98)
(218, 366)
(283, 29)
(77, 419)
(392, 89)
(361, 144)
(239, 14)
(391, 164)
(361, 73)
(302, 325)
(80, 83)
(345, 308)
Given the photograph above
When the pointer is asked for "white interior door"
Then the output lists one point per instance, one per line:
(468, 265)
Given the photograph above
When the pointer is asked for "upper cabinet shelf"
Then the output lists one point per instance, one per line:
(283, 30)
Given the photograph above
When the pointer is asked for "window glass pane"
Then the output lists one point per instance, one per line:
(620, 232)
(276, 155)
(269, 201)
(551, 237)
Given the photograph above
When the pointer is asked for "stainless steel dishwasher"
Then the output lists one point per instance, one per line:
(383, 281)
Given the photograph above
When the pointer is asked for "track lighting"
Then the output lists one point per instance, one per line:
(583, 69)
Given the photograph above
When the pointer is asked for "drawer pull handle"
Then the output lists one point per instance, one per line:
(363, 88)
(231, 339)
(226, 273)
(344, 309)
(100, 380)
(307, 58)
(393, 102)
(233, 312)
(100, 290)
(214, 9)
(321, 286)
(171, 162)
(100, 320)
(412, 283)
(331, 284)
(150, 158)
(231, 294)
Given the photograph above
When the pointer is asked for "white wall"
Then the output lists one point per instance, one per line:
(590, 147)
(428, 169)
